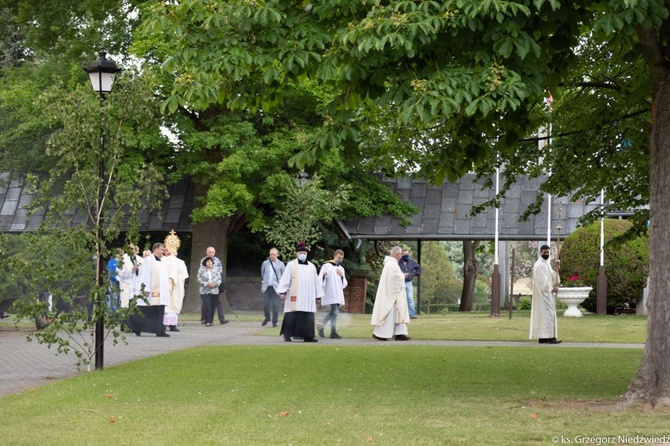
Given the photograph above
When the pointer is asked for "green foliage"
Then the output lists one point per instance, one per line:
(57, 261)
(601, 120)
(50, 278)
(439, 284)
(483, 255)
(524, 303)
(71, 27)
(462, 66)
(12, 43)
(306, 206)
(131, 181)
(626, 264)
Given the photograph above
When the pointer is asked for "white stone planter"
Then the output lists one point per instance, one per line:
(572, 297)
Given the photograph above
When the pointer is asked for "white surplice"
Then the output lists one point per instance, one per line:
(333, 284)
(301, 285)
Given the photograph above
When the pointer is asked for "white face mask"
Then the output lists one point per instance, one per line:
(302, 257)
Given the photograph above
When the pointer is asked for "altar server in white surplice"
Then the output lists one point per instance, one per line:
(334, 281)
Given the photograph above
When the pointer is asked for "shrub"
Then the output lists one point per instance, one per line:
(524, 303)
(626, 264)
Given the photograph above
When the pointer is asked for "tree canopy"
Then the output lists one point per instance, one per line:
(448, 86)
(474, 73)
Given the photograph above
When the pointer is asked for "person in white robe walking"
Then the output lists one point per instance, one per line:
(390, 314)
(299, 287)
(543, 326)
(334, 281)
(127, 275)
(154, 285)
(177, 275)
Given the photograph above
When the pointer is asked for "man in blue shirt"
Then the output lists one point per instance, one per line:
(113, 291)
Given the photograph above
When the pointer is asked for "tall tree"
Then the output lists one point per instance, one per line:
(238, 159)
(476, 70)
(439, 284)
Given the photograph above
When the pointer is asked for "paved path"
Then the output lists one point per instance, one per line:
(26, 365)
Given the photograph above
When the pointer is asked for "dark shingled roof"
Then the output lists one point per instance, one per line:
(445, 213)
(174, 214)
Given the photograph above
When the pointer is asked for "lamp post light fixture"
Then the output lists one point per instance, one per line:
(101, 73)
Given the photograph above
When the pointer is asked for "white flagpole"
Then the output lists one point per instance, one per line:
(548, 102)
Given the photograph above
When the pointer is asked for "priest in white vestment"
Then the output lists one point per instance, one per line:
(177, 275)
(390, 314)
(155, 286)
(543, 325)
(299, 287)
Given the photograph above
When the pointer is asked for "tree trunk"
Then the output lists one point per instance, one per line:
(470, 269)
(652, 382)
(205, 234)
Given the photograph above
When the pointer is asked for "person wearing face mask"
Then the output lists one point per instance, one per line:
(410, 269)
(334, 282)
(299, 287)
(543, 305)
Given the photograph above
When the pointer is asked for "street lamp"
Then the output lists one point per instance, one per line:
(101, 73)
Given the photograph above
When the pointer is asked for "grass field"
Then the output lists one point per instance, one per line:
(400, 394)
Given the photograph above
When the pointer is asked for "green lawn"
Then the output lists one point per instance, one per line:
(382, 393)
(322, 394)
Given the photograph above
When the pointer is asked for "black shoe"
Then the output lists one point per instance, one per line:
(274, 325)
(311, 340)
(287, 339)
(402, 338)
(265, 322)
(174, 328)
(378, 338)
(553, 341)
(138, 333)
(321, 333)
(413, 317)
(225, 321)
(334, 335)
(162, 335)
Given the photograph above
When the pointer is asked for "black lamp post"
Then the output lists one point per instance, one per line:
(101, 73)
